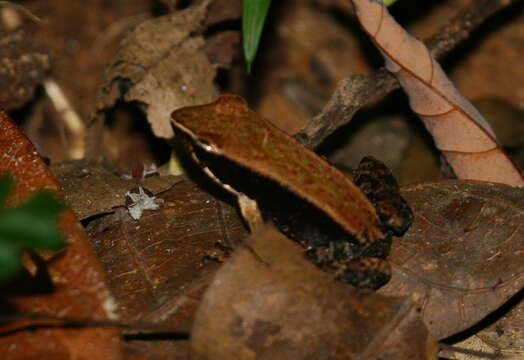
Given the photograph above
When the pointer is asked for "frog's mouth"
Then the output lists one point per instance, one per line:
(204, 145)
(198, 141)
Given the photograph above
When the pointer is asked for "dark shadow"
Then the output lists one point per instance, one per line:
(28, 285)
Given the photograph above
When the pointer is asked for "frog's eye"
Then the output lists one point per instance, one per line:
(204, 145)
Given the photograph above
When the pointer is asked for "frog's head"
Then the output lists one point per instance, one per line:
(208, 126)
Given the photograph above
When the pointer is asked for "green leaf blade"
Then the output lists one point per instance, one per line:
(33, 223)
(9, 262)
(254, 14)
(388, 2)
(6, 184)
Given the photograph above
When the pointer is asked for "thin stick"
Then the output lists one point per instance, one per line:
(11, 17)
(44, 321)
(476, 353)
(70, 118)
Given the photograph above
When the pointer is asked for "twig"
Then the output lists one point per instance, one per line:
(354, 92)
(475, 353)
(69, 117)
(63, 107)
(10, 14)
(51, 321)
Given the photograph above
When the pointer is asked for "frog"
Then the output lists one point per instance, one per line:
(345, 224)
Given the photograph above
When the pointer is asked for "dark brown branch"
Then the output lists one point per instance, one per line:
(354, 92)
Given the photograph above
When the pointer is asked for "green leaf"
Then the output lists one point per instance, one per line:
(388, 2)
(6, 183)
(9, 262)
(42, 203)
(253, 16)
(32, 224)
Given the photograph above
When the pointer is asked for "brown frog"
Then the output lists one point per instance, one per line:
(308, 199)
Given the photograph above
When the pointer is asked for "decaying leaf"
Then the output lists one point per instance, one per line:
(90, 189)
(71, 284)
(267, 301)
(162, 65)
(459, 130)
(463, 256)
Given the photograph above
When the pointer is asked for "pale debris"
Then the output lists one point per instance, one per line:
(138, 200)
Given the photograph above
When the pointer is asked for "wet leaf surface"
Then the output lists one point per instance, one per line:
(267, 301)
(71, 284)
(463, 256)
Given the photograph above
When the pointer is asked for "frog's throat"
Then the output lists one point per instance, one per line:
(248, 207)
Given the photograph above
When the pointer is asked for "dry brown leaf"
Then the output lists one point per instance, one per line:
(459, 130)
(179, 310)
(162, 64)
(267, 301)
(157, 268)
(148, 261)
(90, 190)
(72, 283)
(462, 258)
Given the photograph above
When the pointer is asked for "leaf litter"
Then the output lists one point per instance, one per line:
(163, 66)
(176, 301)
(287, 308)
(462, 257)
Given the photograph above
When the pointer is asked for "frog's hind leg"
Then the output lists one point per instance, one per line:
(380, 186)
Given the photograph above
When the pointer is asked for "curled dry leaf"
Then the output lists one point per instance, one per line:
(267, 301)
(162, 64)
(463, 256)
(75, 286)
(459, 130)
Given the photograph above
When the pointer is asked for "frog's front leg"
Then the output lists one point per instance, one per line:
(368, 272)
(248, 207)
(363, 266)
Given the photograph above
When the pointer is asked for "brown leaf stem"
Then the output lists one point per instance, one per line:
(354, 92)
